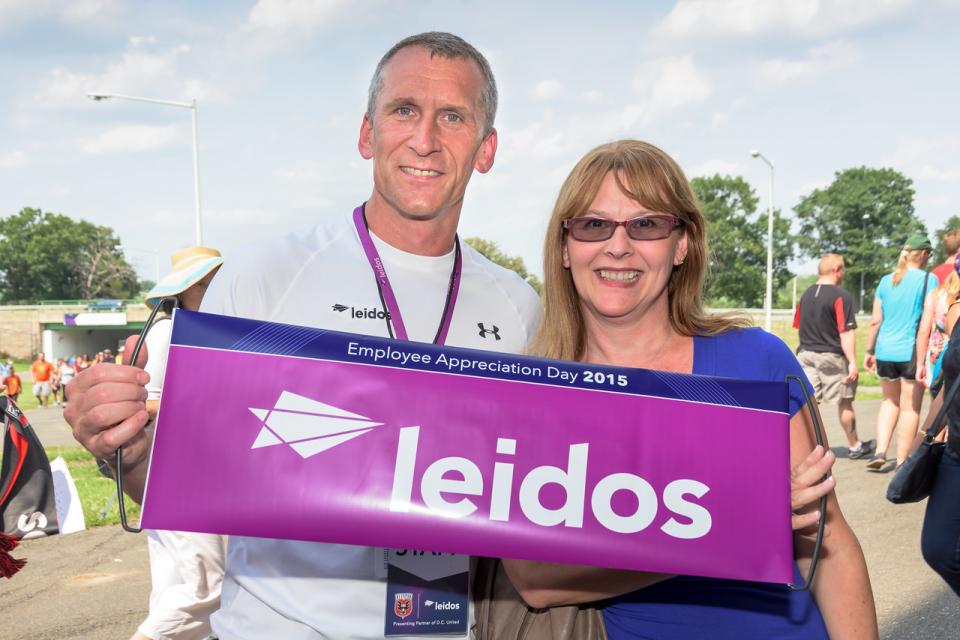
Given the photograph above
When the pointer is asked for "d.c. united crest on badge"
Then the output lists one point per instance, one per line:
(403, 604)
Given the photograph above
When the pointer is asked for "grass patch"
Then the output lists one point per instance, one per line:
(96, 491)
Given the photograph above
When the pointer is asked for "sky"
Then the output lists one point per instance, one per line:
(816, 86)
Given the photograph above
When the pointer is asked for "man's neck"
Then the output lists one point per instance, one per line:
(433, 237)
(826, 280)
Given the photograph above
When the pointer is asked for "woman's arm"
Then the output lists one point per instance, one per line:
(841, 586)
(876, 319)
(543, 584)
(923, 337)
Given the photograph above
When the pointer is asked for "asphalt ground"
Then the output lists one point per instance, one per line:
(95, 584)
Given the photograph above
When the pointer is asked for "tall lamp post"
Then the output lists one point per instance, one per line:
(863, 267)
(192, 105)
(768, 299)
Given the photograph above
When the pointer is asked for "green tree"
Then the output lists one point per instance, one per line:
(46, 255)
(865, 215)
(492, 252)
(952, 224)
(737, 235)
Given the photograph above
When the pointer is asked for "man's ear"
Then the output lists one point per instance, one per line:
(365, 143)
(486, 152)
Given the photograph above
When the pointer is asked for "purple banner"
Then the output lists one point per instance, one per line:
(410, 454)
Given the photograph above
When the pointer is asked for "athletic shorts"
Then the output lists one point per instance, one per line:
(826, 372)
(896, 370)
(41, 389)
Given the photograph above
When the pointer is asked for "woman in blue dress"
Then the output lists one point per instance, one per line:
(632, 297)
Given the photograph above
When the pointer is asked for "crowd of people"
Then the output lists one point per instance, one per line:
(50, 379)
(911, 350)
(625, 258)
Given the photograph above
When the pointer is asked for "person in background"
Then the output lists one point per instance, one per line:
(40, 371)
(891, 347)
(12, 384)
(625, 259)
(828, 350)
(932, 337)
(67, 372)
(940, 537)
(186, 569)
(951, 247)
(55, 382)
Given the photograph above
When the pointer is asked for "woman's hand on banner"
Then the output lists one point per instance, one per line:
(809, 481)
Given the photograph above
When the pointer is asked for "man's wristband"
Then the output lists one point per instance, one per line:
(871, 352)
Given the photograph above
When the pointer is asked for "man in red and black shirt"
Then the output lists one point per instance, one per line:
(827, 350)
(951, 247)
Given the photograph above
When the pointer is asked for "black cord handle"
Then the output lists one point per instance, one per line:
(818, 434)
(118, 474)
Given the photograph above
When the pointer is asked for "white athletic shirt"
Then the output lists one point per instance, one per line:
(321, 278)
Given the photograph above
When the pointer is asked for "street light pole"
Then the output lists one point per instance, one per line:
(192, 105)
(768, 298)
(863, 266)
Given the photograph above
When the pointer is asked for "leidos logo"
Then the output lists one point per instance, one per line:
(370, 313)
(442, 606)
(459, 477)
(447, 485)
(308, 426)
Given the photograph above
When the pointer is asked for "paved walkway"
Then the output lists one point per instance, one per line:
(95, 584)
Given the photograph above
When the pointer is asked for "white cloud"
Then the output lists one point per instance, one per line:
(272, 24)
(283, 15)
(137, 72)
(75, 11)
(12, 159)
(698, 18)
(665, 84)
(829, 57)
(713, 167)
(311, 172)
(133, 138)
(137, 41)
(927, 158)
(592, 97)
(546, 90)
(929, 172)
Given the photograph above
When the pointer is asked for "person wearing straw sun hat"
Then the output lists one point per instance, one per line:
(191, 265)
(186, 569)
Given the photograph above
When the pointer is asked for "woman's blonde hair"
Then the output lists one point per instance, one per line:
(646, 174)
(912, 257)
(951, 287)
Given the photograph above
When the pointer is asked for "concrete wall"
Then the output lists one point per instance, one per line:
(21, 327)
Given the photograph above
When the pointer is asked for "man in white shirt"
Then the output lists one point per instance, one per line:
(428, 126)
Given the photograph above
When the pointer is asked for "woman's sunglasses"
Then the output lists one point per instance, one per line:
(650, 227)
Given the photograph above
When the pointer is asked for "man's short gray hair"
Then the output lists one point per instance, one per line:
(445, 45)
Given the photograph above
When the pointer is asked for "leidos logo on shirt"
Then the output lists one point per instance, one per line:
(448, 485)
(369, 313)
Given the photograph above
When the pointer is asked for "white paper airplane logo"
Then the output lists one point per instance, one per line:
(308, 426)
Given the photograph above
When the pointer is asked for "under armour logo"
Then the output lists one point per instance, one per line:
(340, 307)
(484, 331)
